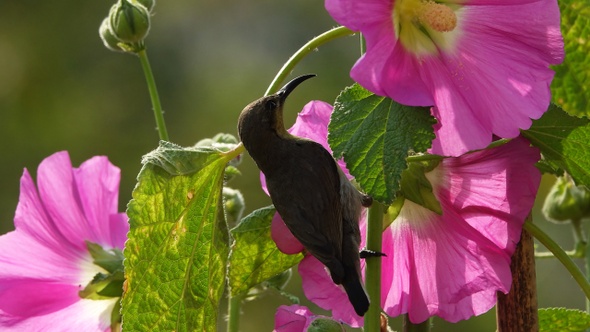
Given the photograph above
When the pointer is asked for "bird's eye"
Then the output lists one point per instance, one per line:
(271, 104)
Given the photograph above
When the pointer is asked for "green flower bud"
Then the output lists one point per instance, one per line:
(280, 280)
(325, 325)
(224, 142)
(130, 21)
(108, 38)
(234, 205)
(148, 4)
(566, 202)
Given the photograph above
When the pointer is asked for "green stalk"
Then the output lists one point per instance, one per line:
(411, 327)
(309, 47)
(561, 255)
(373, 267)
(151, 83)
(582, 247)
(233, 313)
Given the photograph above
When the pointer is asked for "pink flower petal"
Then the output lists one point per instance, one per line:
(29, 298)
(119, 225)
(59, 194)
(23, 257)
(321, 290)
(500, 192)
(439, 265)
(293, 318)
(282, 236)
(97, 185)
(83, 315)
(32, 219)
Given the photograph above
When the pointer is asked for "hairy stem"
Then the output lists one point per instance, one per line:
(151, 83)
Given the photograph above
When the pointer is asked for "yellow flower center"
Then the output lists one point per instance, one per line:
(424, 26)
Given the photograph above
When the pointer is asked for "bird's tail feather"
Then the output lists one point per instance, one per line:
(356, 294)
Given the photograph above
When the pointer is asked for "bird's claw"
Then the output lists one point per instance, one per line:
(366, 253)
(366, 201)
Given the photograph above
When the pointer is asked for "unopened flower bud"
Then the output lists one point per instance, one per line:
(566, 202)
(148, 4)
(325, 325)
(280, 280)
(224, 142)
(234, 205)
(108, 38)
(130, 21)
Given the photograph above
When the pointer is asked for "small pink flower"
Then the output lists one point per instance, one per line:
(483, 64)
(45, 262)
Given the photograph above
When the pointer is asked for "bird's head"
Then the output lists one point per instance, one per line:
(265, 115)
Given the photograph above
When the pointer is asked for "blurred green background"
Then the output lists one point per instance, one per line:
(61, 89)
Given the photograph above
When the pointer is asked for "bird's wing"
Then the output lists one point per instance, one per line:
(305, 190)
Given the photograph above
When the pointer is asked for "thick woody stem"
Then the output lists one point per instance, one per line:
(517, 310)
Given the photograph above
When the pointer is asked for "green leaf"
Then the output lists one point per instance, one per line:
(570, 87)
(178, 244)
(563, 141)
(375, 135)
(110, 260)
(563, 320)
(254, 256)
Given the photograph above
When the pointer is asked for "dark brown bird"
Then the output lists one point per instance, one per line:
(315, 199)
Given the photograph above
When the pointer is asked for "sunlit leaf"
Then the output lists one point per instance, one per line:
(176, 254)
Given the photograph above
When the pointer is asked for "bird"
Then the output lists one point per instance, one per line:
(308, 189)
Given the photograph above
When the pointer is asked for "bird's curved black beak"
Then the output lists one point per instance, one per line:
(289, 87)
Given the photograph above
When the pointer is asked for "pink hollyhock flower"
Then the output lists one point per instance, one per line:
(483, 64)
(449, 265)
(45, 262)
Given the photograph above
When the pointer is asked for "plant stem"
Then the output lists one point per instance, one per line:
(517, 310)
(295, 59)
(309, 47)
(363, 44)
(151, 83)
(587, 266)
(561, 255)
(373, 267)
(411, 327)
(233, 313)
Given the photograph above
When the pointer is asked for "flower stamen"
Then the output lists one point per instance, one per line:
(425, 26)
(437, 16)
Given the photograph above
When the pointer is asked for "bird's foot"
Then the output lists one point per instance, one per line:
(366, 253)
(366, 201)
